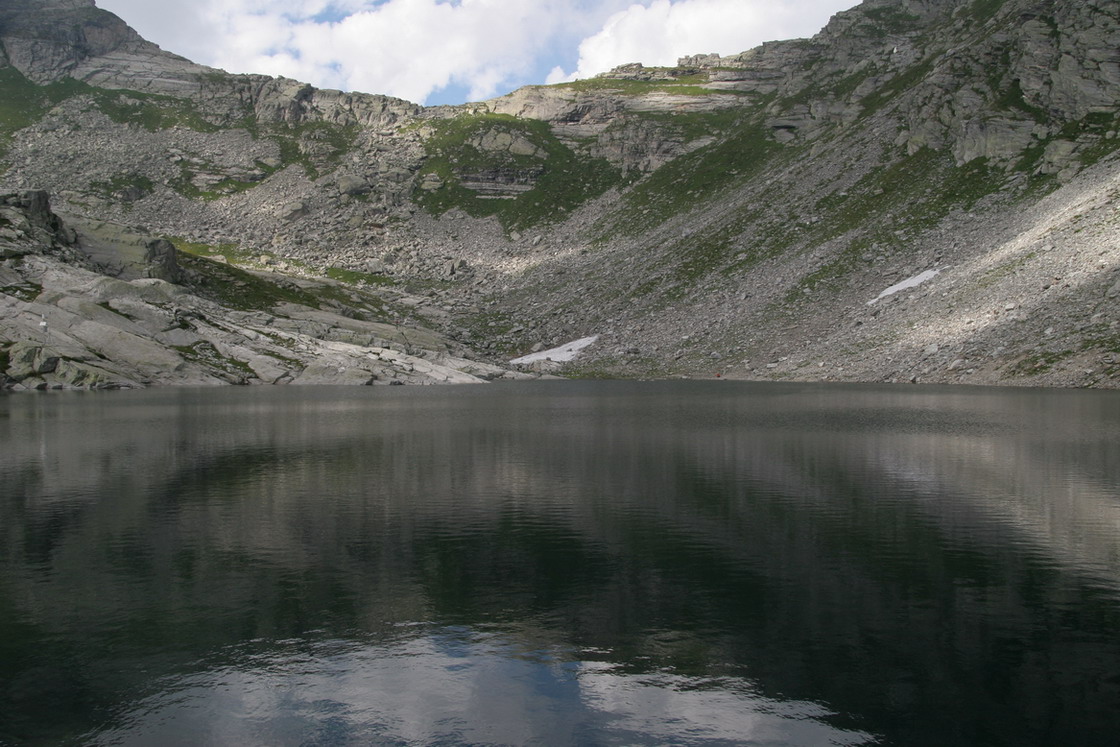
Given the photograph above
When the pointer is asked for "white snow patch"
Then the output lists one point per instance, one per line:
(565, 352)
(908, 283)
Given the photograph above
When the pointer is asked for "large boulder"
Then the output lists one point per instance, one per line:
(27, 359)
(27, 215)
(128, 254)
(163, 261)
(352, 185)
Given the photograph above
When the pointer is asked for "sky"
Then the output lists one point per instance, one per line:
(453, 51)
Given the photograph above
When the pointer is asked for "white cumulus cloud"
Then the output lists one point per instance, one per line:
(416, 49)
(660, 32)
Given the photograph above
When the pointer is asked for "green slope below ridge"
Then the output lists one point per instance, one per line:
(519, 171)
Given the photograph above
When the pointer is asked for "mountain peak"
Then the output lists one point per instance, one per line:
(48, 40)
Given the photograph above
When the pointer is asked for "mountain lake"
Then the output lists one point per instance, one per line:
(561, 563)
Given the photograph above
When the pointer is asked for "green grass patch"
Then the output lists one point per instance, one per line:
(294, 363)
(152, 112)
(1012, 99)
(125, 187)
(316, 146)
(689, 126)
(684, 85)
(1039, 363)
(561, 180)
(109, 307)
(26, 292)
(207, 355)
(1094, 126)
(1103, 338)
(231, 252)
(724, 247)
(228, 284)
(238, 289)
(184, 183)
(911, 194)
(983, 10)
(284, 342)
(842, 263)
(914, 192)
(22, 102)
(1005, 270)
(1029, 163)
(685, 181)
(848, 84)
(896, 86)
(891, 20)
(1093, 130)
(490, 325)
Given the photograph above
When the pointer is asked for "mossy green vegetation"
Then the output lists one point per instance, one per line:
(690, 126)
(184, 183)
(1091, 132)
(205, 353)
(152, 112)
(915, 192)
(1011, 98)
(911, 194)
(685, 181)
(1040, 363)
(490, 326)
(316, 146)
(25, 292)
(22, 102)
(683, 85)
(828, 86)
(238, 289)
(896, 86)
(125, 187)
(983, 10)
(231, 252)
(558, 179)
(109, 307)
(1094, 130)
(1102, 337)
(891, 20)
(1004, 270)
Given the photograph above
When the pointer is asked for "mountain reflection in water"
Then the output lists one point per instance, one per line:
(561, 563)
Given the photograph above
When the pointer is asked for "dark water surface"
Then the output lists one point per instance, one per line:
(561, 563)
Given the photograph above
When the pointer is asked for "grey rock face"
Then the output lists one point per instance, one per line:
(71, 326)
(163, 261)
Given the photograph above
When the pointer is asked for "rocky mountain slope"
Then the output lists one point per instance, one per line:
(739, 216)
(96, 305)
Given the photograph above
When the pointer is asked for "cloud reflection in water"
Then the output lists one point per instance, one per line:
(455, 686)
